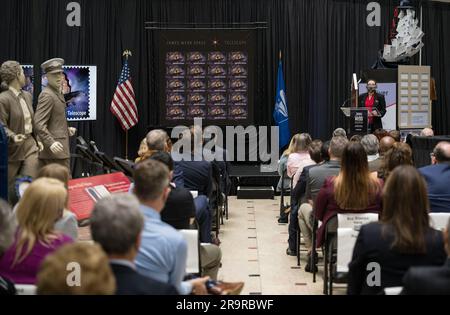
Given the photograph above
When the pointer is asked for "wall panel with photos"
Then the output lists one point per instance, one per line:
(414, 106)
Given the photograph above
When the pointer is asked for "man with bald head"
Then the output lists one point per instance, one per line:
(427, 132)
(437, 177)
(385, 144)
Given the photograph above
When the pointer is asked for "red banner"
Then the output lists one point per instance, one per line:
(84, 192)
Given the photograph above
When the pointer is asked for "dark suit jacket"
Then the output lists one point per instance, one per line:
(130, 282)
(11, 116)
(437, 178)
(197, 175)
(51, 123)
(428, 280)
(379, 104)
(179, 208)
(373, 246)
(298, 194)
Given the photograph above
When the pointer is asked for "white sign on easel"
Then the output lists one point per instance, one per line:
(349, 225)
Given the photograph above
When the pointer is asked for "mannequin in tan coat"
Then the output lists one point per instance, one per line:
(17, 116)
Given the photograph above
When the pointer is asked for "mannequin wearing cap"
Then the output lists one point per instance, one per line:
(375, 103)
(50, 118)
(17, 116)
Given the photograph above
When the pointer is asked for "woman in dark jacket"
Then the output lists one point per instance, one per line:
(375, 103)
(385, 250)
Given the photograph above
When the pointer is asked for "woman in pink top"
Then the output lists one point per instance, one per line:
(40, 207)
(300, 158)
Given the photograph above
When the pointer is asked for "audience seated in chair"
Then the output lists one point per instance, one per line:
(315, 152)
(7, 228)
(159, 140)
(299, 158)
(282, 167)
(198, 176)
(380, 133)
(340, 132)
(371, 146)
(314, 181)
(163, 251)
(430, 280)
(427, 132)
(143, 152)
(395, 134)
(399, 154)
(437, 177)
(117, 224)
(386, 144)
(180, 212)
(40, 207)
(197, 171)
(353, 190)
(95, 278)
(68, 223)
(402, 239)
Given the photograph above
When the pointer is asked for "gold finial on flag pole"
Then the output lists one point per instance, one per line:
(127, 53)
(280, 54)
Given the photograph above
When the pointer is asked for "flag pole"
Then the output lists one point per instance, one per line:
(126, 54)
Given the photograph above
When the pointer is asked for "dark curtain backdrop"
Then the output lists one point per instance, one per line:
(323, 42)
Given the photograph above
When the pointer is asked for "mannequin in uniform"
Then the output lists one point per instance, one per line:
(17, 116)
(50, 118)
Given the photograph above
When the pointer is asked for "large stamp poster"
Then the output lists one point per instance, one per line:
(204, 74)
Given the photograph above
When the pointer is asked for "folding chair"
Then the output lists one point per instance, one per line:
(329, 255)
(193, 262)
(439, 220)
(312, 261)
(25, 289)
(334, 234)
(283, 192)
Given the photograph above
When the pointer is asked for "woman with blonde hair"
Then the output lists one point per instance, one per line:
(68, 224)
(282, 165)
(143, 152)
(41, 206)
(299, 157)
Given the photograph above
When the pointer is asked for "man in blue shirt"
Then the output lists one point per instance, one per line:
(163, 251)
(437, 177)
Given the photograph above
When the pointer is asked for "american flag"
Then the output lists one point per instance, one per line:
(123, 105)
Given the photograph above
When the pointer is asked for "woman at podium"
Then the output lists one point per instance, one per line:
(376, 105)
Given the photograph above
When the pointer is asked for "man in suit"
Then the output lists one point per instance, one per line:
(430, 280)
(437, 177)
(50, 118)
(375, 103)
(116, 224)
(17, 116)
(314, 182)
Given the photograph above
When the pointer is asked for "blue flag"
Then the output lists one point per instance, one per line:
(280, 112)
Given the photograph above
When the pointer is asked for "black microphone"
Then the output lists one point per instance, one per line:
(94, 146)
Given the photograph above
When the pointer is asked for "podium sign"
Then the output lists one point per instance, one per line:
(358, 121)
